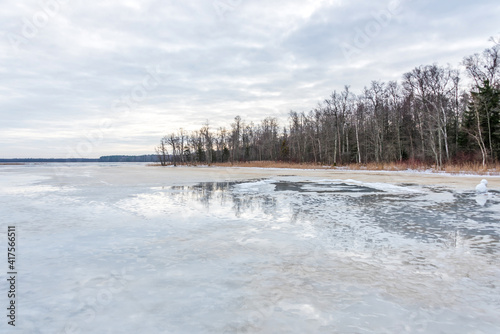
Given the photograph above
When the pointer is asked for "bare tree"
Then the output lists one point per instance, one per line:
(484, 67)
(235, 139)
(208, 142)
(173, 141)
(428, 117)
(162, 151)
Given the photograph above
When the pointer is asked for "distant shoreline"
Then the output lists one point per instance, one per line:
(24, 161)
(108, 158)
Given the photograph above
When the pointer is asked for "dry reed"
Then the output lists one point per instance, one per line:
(461, 168)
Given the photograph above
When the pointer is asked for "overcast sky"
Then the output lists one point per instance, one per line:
(91, 78)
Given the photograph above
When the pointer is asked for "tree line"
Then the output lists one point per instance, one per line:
(430, 116)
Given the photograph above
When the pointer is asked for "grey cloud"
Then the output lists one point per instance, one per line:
(260, 59)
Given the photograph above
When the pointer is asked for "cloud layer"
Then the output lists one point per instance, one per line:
(111, 77)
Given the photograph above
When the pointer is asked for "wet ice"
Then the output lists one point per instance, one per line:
(286, 254)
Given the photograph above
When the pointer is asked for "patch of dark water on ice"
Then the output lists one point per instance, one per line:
(323, 188)
(414, 216)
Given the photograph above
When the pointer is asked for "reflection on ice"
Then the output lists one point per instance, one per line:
(481, 199)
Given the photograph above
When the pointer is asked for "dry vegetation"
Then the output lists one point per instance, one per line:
(272, 164)
(258, 164)
(464, 168)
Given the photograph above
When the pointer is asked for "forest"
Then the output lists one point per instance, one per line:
(434, 115)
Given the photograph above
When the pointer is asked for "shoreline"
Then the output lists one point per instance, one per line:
(183, 175)
(459, 182)
(140, 174)
(390, 167)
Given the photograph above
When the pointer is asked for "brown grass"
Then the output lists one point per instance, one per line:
(11, 163)
(473, 168)
(272, 164)
(462, 168)
(257, 164)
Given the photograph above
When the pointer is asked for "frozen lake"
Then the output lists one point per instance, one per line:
(136, 249)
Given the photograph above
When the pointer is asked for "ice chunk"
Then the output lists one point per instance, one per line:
(481, 187)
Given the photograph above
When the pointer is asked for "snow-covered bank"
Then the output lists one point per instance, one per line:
(130, 249)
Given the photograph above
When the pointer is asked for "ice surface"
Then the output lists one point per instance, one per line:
(133, 249)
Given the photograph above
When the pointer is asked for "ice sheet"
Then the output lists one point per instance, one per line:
(241, 254)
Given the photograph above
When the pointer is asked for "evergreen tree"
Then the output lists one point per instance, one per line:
(485, 105)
